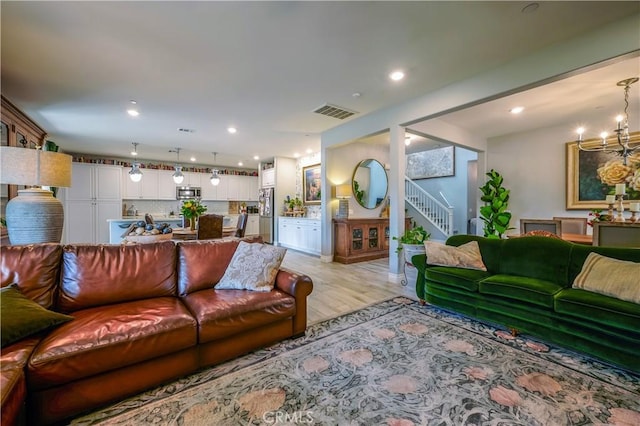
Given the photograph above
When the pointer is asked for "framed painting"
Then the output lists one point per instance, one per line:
(434, 163)
(311, 184)
(592, 175)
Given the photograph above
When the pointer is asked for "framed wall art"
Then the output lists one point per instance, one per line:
(592, 175)
(311, 184)
(434, 163)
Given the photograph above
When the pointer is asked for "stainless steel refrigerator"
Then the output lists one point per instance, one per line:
(265, 205)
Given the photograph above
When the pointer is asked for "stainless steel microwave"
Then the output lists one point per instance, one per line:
(188, 192)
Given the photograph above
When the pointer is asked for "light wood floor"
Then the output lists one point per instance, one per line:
(339, 289)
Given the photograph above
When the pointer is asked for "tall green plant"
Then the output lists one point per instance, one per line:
(494, 213)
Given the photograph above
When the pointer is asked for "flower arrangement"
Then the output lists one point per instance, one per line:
(191, 209)
(596, 215)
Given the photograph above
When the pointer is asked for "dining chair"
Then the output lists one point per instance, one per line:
(242, 225)
(573, 225)
(616, 234)
(209, 226)
(549, 225)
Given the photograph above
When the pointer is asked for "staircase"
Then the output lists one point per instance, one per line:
(434, 211)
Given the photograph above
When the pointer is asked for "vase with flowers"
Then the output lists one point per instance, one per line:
(596, 215)
(192, 209)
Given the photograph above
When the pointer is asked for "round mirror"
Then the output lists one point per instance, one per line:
(369, 183)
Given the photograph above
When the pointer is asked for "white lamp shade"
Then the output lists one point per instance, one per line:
(24, 166)
(343, 191)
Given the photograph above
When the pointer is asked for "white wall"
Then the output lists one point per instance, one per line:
(534, 168)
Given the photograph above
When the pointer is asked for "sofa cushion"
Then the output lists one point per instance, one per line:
(21, 317)
(543, 258)
(580, 252)
(97, 275)
(110, 337)
(253, 267)
(223, 313)
(13, 387)
(35, 268)
(465, 256)
(201, 264)
(593, 307)
(525, 289)
(611, 277)
(489, 249)
(466, 279)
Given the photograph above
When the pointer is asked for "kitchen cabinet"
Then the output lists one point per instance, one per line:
(166, 185)
(253, 227)
(357, 240)
(300, 233)
(94, 196)
(146, 189)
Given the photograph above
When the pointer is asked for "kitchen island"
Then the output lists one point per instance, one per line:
(118, 226)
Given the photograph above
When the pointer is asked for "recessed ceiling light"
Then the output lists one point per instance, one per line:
(193, 158)
(255, 157)
(396, 75)
(133, 112)
(309, 150)
(232, 130)
(133, 102)
(407, 140)
(516, 110)
(240, 163)
(296, 155)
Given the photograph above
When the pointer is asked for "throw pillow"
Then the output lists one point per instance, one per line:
(611, 277)
(253, 267)
(466, 256)
(21, 317)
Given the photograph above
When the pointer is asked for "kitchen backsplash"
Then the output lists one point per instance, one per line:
(165, 208)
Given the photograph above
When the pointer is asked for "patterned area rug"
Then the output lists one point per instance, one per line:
(395, 363)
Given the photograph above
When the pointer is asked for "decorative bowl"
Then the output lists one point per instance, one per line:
(141, 239)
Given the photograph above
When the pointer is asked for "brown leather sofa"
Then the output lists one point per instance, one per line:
(143, 315)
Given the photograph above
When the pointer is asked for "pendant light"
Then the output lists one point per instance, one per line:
(178, 177)
(215, 179)
(135, 174)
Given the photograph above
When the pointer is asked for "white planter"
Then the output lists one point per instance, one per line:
(410, 271)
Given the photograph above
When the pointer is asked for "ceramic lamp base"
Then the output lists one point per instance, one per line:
(34, 216)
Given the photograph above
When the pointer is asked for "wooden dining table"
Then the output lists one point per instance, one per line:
(188, 234)
(573, 238)
(578, 238)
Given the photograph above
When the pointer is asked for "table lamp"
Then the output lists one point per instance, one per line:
(35, 215)
(343, 193)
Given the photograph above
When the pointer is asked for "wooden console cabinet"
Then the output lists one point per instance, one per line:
(357, 240)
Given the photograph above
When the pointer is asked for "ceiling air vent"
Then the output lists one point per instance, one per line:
(334, 111)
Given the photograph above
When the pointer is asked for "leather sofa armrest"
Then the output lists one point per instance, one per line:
(299, 286)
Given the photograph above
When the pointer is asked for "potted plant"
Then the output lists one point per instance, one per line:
(494, 213)
(192, 209)
(410, 244)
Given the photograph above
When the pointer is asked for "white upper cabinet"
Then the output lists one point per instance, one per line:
(94, 181)
(146, 189)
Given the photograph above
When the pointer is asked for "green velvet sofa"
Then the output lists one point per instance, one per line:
(528, 288)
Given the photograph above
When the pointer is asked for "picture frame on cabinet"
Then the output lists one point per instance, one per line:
(592, 175)
(311, 184)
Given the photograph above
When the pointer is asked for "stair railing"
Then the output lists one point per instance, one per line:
(429, 207)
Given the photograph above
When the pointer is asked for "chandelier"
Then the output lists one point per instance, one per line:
(623, 148)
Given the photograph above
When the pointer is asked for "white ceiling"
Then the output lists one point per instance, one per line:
(263, 67)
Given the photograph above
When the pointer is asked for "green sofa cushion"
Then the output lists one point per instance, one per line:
(466, 279)
(594, 307)
(526, 289)
(543, 258)
(489, 249)
(21, 317)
